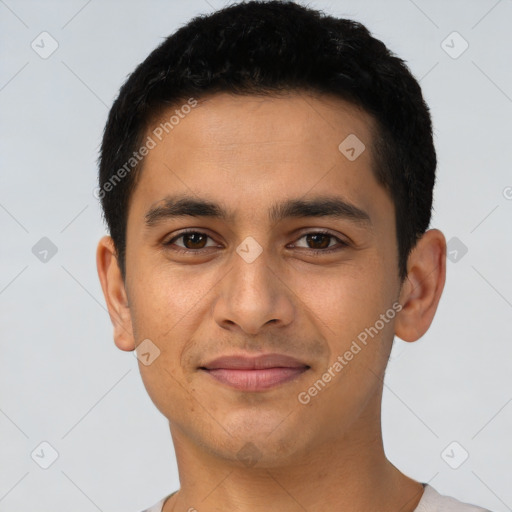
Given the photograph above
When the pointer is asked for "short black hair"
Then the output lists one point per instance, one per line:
(272, 47)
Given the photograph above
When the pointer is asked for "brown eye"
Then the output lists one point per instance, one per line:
(319, 240)
(194, 240)
(190, 240)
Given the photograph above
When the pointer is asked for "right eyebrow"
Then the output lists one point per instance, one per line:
(171, 207)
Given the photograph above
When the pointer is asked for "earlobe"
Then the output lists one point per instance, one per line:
(422, 289)
(114, 292)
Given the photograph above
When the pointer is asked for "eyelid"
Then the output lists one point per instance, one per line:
(319, 231)
(187, 231)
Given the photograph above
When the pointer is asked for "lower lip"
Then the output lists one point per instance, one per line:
(255, 380)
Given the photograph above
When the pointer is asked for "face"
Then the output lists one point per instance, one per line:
(292, 252)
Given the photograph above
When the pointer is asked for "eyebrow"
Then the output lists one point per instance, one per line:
(319, 206)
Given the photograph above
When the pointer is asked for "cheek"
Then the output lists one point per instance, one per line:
(166, 310)
(347, 303)
(345, 296)
(167, 307)
(163, 300)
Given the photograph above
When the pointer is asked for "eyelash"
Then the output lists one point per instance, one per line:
(341, 243)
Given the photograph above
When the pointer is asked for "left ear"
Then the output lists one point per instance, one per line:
(422, 288)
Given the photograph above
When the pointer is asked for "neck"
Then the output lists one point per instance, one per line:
(349, 472)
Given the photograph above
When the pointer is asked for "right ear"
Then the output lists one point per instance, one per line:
(114, 291)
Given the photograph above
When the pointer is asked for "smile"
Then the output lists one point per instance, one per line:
(247, 372)
(255, 380)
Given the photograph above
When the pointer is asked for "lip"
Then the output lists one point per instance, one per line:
(243, 362)
(255, 373)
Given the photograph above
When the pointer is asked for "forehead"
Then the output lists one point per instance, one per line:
(246, 149)
(224, 120)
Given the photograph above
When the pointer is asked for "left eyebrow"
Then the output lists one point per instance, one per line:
(320, 206)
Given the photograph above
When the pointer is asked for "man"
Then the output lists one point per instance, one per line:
(266, 175)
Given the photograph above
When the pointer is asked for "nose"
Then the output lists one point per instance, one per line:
(252, 296)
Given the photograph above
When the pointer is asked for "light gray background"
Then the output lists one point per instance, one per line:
(63, 381)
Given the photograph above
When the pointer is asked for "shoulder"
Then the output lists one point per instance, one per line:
(157, 507)
(432, 501)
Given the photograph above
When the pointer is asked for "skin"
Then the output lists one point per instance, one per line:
(247, 153)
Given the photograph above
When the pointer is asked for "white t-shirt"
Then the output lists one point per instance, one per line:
(431, 501)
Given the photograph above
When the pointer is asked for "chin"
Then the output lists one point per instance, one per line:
(260, 442)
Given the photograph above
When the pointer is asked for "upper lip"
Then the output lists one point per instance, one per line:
(241, 362)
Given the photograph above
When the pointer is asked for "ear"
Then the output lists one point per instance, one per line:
(422, 288)
(115, 294)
